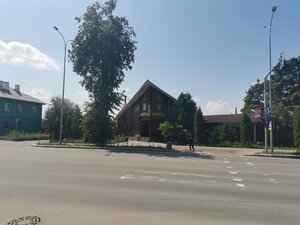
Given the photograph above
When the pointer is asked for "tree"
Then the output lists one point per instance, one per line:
(199, 127)
(286, 84)
(296, 126)
(71, 122)
(101, 51)
(173, 132)
(186, 108)
(245, 130)
(285, 88)
(254, 97)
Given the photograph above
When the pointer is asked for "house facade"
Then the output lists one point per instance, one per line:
(18, 111)
(141, 116)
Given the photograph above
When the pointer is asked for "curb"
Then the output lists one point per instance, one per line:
(277, 156)
(123, 149)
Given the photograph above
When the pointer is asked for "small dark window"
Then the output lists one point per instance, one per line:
(158, 107)
(34, 109)
(7, 107)
(136, 108)
(20, 108)
(6, 124)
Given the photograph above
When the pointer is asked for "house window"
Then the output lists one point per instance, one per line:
(7, 107)
(6, 124)
(34, 109)
(144, 106)
(136, 108)
(158, 107)
(20, 108)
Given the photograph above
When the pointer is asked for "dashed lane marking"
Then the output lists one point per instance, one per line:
(226, 161)
(233, 172)
(126, 177)
(237, 179)
(250, 163)
(240, 185)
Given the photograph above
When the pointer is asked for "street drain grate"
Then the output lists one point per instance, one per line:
(26, 220)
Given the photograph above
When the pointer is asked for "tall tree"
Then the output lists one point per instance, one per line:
(296, 126)
(285, 87)
(186, 108)
(245, 130)
(71, 122)
(101, 51)
(199, 127)
(254, 96)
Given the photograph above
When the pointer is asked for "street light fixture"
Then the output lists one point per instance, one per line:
(63, 88)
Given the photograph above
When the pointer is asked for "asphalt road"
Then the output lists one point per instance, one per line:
(71, 186)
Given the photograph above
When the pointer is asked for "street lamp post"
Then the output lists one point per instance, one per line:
(274, 8)
(63, 88)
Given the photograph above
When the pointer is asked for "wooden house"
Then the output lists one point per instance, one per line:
(141, 116)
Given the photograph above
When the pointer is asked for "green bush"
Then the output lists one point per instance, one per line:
(15, 135)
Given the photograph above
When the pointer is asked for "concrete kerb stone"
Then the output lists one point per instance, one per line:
(118, 149)
(276, 156)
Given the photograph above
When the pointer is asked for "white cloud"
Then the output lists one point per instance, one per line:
(83, 94)
(23, 54)
(216, 107)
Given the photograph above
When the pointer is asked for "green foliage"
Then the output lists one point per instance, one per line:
(245, 130)
(102, 49)
(173, 132)
(186, 108)
(199, 129)
(254, 97)
(71, 122)
(227, 134)
(16, 135)
(296, 126)
(97, 128)
(285, 84)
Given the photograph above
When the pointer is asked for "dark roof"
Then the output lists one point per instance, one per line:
(228, 118)
(139, 93)
(20, 96)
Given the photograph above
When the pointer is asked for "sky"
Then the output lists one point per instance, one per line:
(212, 49)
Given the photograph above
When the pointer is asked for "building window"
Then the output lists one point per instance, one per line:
(20, 108)
(7, 107)
(6, 124)
(34, 109)
(158, 107)
(144, 106)
(136, 108)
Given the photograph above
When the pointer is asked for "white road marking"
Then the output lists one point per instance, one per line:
(226, 161)
(240, 185)
(233, 172)
(274, 181)
(237, 179)
(229, 167)
(176, 174)
(250, 163)
(126, 177)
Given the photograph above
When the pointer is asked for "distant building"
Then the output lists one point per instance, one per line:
(212, 121)
(141, 116)
(18, 111)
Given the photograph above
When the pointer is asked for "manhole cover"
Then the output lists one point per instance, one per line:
(26, 220)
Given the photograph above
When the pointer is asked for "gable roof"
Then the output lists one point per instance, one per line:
(228, 118)
(20, 96)
(139, 93)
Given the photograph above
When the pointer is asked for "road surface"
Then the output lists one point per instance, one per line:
(72, 186)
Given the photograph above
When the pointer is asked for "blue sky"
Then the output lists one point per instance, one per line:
(213, 49)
